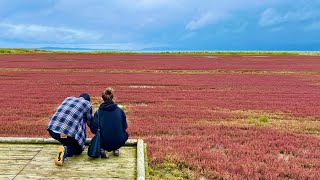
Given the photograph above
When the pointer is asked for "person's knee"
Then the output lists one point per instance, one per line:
(53, 134)
(74, 153)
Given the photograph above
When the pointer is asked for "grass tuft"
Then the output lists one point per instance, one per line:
(258, 121)
(170, 170)
(314, 53)
(263, 119)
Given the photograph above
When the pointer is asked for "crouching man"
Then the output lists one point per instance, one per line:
(68, 126)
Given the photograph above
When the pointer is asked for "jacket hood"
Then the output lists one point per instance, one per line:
(108, 106)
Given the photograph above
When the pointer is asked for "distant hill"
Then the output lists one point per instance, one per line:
(71, 49)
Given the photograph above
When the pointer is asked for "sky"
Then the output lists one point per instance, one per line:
(135, 25)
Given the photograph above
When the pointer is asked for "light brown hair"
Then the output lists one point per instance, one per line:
(107, 94)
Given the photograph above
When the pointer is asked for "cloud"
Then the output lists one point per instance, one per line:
(239, 27)
(313, 26)
(130, 24)
(204, 20)
(222, 12)
(272, 17)
(187, 36)
(276, 29)
(149, 4)
(119, 14)
(39, 33)
(269, 17)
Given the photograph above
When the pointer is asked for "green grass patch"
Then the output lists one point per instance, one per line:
(263, 119)
(236, 53)
(20, 51)
(258, 121)
(316, 53)
(169, 170)
(94, 52)
(115, 52)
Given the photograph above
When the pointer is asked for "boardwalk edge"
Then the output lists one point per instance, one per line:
(140, 160)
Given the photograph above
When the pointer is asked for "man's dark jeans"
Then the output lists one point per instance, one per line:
(73, 148)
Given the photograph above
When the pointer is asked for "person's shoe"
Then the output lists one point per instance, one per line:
(61, 155)
(116, 152)
(103, 154)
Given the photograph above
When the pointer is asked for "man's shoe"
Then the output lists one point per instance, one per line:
(61, 155)
(103, 154)
(116, 152)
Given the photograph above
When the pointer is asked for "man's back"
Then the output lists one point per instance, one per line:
(71, 117)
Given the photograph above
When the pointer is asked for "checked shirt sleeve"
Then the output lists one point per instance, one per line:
(88, 116)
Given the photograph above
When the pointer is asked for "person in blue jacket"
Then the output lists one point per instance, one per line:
(113, 125)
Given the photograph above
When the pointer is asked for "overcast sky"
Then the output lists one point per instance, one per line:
(161, 24)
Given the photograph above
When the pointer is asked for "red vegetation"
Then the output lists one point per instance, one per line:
(198, 120)
(152, 62)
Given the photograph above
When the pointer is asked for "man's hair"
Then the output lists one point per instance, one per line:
(85, 96)
(107, 94)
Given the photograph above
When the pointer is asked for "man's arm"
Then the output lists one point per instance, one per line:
(88, 116)
(93, 125)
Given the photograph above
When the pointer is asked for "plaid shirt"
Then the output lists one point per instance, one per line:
(71, 118)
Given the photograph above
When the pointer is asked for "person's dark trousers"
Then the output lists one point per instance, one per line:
(73, 148)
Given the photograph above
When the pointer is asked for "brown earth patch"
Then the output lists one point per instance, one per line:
(277, 120)
(166, 71)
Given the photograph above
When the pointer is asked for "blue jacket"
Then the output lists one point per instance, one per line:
(113, 125)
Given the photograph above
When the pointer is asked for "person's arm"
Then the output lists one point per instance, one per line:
(88, 116)
(124, 121)
(93, 125)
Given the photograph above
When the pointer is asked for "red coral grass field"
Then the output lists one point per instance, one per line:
(230, 117)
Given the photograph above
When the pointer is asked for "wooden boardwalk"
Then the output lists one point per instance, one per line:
(36, 161)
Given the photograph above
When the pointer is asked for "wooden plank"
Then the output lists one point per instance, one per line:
(8, 162)
(4, 167)
(11, 167)
(72, 169)
(17, 155)
(20, 147)
(13, 159)
(11, 170)
(6, 177)
(43, 166)
(64, 174)
(73, 163)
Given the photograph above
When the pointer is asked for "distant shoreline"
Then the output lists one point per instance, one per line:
(93, 51)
